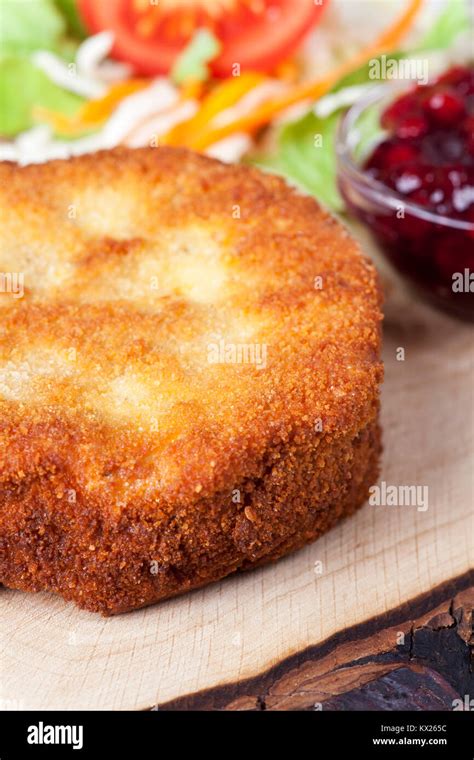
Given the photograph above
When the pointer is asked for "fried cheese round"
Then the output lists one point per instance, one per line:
(189, 374)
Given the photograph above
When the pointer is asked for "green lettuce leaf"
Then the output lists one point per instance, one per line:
(28, 25)
(453, 19)
(23, 86)
(71, 15)
(307, 157)
(192, 63)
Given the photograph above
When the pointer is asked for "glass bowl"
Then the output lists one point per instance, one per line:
(434, 253)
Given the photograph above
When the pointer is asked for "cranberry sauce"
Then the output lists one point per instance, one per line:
(427, 159)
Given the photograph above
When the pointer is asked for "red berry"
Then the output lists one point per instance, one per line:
(444, 108)
(411, 127)
(390, 153)
(443, 146)
(461, 79)
(404, 107)
(420, 198)
(453, 75)
(468, 130)
(399, 155)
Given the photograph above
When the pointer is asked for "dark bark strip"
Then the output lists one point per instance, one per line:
(419, 656)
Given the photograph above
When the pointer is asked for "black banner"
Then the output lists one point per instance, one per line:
(374, 734)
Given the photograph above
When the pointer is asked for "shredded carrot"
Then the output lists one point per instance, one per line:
(92, 113)
(306, 91)
(192, 89)
(59, 123)
(287, 71)
(224, 95)
(98, 110)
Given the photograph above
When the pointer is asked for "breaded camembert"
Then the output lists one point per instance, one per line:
(189, 374)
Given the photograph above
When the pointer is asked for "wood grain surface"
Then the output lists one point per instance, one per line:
(55, 656)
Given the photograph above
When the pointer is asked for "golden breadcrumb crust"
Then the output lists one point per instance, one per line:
(189, 384)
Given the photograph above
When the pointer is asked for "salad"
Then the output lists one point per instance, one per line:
(242, 80)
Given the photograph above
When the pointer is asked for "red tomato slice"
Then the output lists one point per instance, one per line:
(150, 34)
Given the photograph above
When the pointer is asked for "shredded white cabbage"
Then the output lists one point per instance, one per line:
(67, 76)
(230, 149)
(92, 51)
(250, 101)
(159, 124)
(345, 97)
(160, 96)
(90, 73)
(92, 60)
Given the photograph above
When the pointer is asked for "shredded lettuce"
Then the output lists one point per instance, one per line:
(192, 63)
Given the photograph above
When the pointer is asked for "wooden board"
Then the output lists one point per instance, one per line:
(54, 656)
